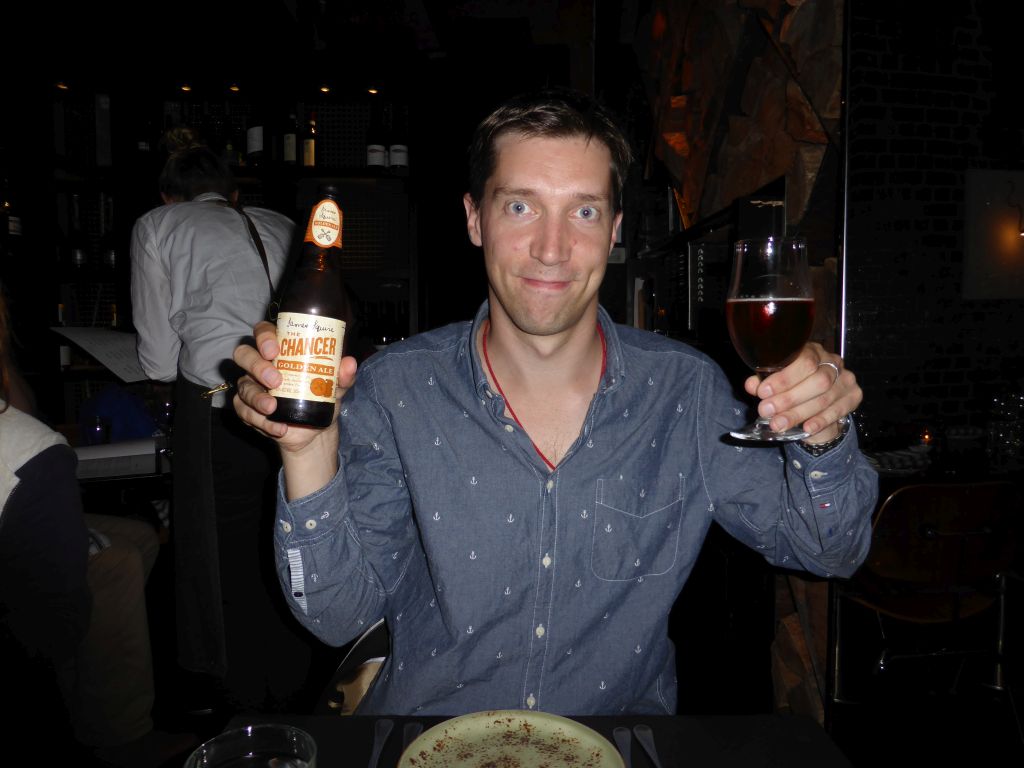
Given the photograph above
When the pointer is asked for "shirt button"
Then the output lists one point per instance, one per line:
(509, 428)
(539, 631)
(310, 525)
(530, 701)
(550, 484)
(817, 474)
(286, 526)
(797, 464)
(546, 561)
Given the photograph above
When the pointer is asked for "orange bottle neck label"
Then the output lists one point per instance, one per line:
(324, 227)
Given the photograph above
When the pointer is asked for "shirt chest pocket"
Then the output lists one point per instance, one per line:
(636, 530)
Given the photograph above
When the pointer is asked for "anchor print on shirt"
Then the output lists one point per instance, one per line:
(679, 407)
(430, 381)
(508, 591)
(590, 443)
(637, 650)
(602, 686)
(511, 518)
(473, 480)
(472, 554)
(499, 655)
(469, 630)
(650, 381)
(433, 653)
(437, 441)
(584, 514)
(437, 516)
(401, 403)
(578, 584)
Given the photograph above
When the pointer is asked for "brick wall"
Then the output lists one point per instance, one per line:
(927, 97)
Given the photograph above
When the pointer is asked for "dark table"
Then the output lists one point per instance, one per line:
(740, 741)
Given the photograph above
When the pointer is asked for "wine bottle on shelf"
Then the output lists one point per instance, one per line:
(65, 348)
(77, 245)
(108, 244)
(377, 140)
(255, 133)
(309, 142)
(398, 148)
(290, 141)
(10, 224)
(311, 321)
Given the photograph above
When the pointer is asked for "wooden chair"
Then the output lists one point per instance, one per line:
(940, 555)
(359, 667)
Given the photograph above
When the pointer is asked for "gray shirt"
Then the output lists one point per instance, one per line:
(198, 285)
(506, 585)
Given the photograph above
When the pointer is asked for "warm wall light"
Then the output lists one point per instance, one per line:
(186, 87)
(993, 239)
(372, 90)
(61, 85)
(234, 88)
(325, 88)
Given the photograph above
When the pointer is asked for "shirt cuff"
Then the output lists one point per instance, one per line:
(304, 520)
(825, 472)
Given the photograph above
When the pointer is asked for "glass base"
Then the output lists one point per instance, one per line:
(760, 432)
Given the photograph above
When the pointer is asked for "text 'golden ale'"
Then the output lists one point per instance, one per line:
(311, 321)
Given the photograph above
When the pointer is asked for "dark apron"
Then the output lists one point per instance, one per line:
(200, 616)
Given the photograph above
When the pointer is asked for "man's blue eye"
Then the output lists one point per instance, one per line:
(518, 207)
(586, 212)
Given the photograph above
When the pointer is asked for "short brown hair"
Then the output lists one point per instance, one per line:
(550, 113)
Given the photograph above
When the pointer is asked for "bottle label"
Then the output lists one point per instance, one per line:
(310, 356)
(309, 152)
(324, 228)
(377, 155)
(399, 155)
(288, 150)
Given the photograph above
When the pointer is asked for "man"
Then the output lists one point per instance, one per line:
(523, 497)
(203, 271)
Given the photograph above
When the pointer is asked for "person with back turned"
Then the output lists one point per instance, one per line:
(203, 272)
(523, 496)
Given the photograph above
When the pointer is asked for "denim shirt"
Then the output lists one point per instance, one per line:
(509, 586)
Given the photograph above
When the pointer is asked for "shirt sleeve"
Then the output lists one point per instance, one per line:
(343, 550)
(44, 548)
(158, 343)
(799, 511)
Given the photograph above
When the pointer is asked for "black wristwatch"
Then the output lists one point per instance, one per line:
(820, 449)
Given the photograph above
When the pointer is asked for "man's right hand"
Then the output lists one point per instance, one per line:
(309, 455)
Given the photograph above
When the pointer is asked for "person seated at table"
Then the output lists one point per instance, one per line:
(72, 591)
(523, 496)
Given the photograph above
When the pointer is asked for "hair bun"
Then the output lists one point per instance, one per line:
(180, 138)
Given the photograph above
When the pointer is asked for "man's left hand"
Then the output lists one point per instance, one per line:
(815, 390)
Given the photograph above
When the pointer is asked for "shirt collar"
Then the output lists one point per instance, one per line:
(205, 197)
(614, 371)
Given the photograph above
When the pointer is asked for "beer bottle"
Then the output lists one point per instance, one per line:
(311, 321)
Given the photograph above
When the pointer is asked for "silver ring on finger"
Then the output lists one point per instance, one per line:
(835, 368)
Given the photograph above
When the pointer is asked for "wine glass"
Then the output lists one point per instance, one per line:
(770, 312)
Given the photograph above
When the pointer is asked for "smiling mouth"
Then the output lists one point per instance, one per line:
(544, 284)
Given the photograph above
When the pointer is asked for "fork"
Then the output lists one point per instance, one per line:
(625, 744)
(381, 731)
(645, 736)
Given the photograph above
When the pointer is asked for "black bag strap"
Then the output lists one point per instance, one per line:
(258, 242)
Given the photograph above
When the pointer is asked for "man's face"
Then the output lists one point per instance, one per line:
(546, 225)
